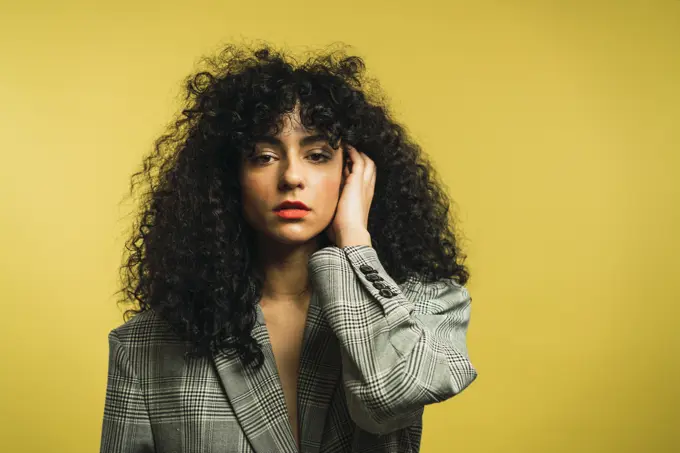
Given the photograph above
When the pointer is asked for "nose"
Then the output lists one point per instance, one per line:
(291, 173)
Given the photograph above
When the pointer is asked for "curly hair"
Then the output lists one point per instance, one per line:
(190, 256)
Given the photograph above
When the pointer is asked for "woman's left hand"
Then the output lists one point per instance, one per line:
(350, 223)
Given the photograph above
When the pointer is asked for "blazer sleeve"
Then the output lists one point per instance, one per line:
(126, 426)
(398, 354)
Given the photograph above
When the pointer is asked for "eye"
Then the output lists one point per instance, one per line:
(319, 157)
(259, 159)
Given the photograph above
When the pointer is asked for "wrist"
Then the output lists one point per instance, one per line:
(358, 237)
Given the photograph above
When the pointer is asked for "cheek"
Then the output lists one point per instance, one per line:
(330, 192)
(255, 196)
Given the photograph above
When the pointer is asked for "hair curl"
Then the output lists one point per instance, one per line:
(190, 257)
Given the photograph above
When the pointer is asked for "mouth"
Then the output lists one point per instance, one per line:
(291, 213)
(292, 209)
(292, 205)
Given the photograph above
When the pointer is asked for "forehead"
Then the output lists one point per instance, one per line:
(290, 128)
(290, 124)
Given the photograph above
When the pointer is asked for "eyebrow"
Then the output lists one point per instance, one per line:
(304, 141)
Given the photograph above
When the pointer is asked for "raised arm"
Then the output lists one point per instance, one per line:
(400, 351)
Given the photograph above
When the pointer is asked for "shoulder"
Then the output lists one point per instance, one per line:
(146, 327)
(148, 346)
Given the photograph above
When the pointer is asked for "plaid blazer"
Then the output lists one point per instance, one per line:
(374, 354)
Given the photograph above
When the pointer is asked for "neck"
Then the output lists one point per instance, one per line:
(285, 271)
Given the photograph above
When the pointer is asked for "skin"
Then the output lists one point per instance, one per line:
(284, 168)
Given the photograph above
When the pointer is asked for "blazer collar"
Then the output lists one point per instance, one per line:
(256, 396)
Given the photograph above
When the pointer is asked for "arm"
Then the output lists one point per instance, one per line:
(398, 354)
(126, 427)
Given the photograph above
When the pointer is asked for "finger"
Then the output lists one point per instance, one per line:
(369, 167)
(367, 159)
(369, 172)
(357, 160)
(371, 186)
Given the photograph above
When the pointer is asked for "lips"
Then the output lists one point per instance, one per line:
(292, 213)
(298, 205)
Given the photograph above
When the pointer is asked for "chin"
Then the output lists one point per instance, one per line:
(294, 238)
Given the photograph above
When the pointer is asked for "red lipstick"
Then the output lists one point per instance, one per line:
(292, 209)
(292, 213)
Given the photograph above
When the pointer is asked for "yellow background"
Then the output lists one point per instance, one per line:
(555, 125)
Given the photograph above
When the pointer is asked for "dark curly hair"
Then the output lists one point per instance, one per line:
(190, 256)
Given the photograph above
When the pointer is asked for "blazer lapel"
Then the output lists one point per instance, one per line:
(257, 397)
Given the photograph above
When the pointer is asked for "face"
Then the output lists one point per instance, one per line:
(295, 165)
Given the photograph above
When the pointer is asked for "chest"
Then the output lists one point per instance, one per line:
(285, 327)
(286, 343)
(286, 334)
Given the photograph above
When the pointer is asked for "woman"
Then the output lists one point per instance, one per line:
(297, 278)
